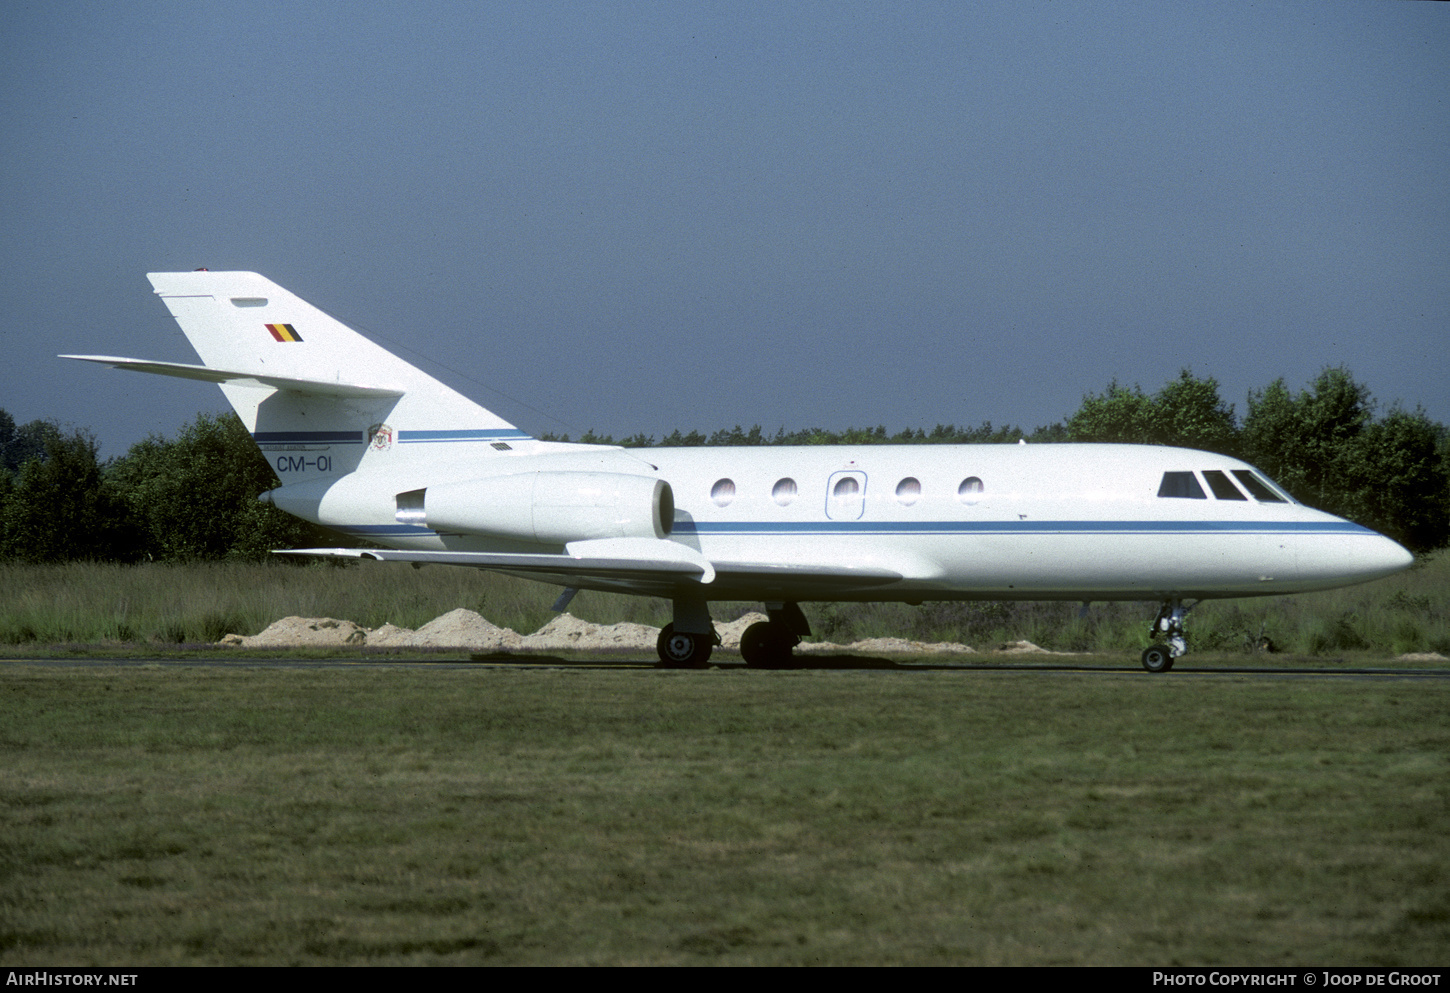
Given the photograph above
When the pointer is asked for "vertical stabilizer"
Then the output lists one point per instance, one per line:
(245, 323)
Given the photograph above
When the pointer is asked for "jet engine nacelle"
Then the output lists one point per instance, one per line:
(547, 507)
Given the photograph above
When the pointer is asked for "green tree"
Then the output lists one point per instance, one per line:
(1324, 446)
(195, 497)
(1399, 485)
(1303, 440)
(18, 445)
(62, 508)
(677, 440)
(7, 438)
(984, 434)
(1187, 412)
(737, 437)
(1119, 415)
(1191, 414)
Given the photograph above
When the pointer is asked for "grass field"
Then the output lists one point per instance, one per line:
(418, 814)
(413, 813)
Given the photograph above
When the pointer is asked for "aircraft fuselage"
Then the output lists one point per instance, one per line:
(953, 522)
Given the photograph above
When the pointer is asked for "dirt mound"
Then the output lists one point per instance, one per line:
(461, 628)
(390, 635)
(1023, 648)
(297, 631)
(568, 631)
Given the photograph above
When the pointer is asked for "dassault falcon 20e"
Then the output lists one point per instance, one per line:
(368, 445)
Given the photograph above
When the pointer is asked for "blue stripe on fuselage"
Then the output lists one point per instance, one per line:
(1015, 527)
(908, 528)
(308, 437)
(412, 436)
(404, 437)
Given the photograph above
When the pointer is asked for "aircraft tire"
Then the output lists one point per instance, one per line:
(682, 650)
(1157, 659)
(765, 645)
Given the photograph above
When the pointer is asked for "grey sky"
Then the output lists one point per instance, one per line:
(640, 217)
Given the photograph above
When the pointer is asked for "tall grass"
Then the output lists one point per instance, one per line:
(202, 602)
(191, 604)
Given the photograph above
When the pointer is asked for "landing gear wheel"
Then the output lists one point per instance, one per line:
(1157, 659)
(1168, 625)
(679, 650)
(766, 645)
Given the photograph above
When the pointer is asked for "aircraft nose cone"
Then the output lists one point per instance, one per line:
(1388, 557)
(1374, 556)
(1342, 559)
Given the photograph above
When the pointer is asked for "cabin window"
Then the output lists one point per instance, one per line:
(1257, 487)
(784, 491)
(908, 491)
(970, 491)
(1222, 488)
(1181, 484)
(723, 492)
(846, 495)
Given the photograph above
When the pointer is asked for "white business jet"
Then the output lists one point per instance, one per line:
(369, 445)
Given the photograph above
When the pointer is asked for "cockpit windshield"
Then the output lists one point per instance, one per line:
(1257, 487)
(1222, 488)
(1181, 484)
(1186, 485)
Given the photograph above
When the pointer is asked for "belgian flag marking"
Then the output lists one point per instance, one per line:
(284, 332)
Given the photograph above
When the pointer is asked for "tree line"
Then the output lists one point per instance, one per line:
(193, 497)
(188, 498)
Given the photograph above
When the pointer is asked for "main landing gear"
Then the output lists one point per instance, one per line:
(687, 642)
(769, 644)
(684, 649)
(1168, 625)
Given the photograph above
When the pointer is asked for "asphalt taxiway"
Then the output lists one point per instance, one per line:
(810, 662)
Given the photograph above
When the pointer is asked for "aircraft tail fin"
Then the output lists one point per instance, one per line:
(307, 385)
(243, 321)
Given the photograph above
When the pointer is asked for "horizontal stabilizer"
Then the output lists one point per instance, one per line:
(259, 380)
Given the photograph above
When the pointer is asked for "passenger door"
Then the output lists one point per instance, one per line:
(846, 495)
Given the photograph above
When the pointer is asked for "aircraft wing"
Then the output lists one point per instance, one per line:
(259, 380)
(510, 562)
(800, 580)
(612, 564)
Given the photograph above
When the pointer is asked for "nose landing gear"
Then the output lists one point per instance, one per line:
(1169, 626)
